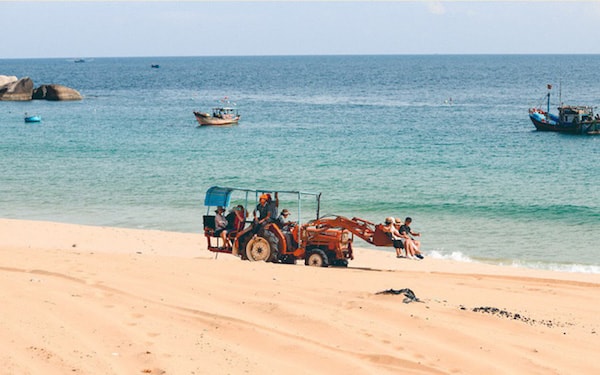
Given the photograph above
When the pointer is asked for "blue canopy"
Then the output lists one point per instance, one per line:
(218, 196)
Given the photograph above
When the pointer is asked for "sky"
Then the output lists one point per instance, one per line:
(83, 29)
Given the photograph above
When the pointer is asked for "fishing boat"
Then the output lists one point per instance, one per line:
(220, 116)
(578, 119)
(32, 118)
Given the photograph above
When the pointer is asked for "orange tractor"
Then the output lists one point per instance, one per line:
(320, 242)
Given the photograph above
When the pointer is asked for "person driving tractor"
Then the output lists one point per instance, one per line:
(282, 220)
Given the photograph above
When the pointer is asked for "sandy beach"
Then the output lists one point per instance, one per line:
(95, 300)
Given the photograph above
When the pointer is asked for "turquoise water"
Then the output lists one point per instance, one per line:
(377, 135)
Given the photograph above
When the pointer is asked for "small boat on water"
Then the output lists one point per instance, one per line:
(32, 118)
(220, 116)
(155, 66)
(571, 119)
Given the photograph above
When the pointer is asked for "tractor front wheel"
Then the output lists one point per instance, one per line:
(316, 258)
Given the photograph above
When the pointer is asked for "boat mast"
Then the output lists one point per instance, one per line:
(548, 105)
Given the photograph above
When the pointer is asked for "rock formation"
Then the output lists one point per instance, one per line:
(18, 90)
(56, 92)
(22, 89)
(7, 79)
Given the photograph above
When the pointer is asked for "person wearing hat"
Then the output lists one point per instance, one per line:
(262, 213)
(220, 225)
(282, 220)
(388, 226)
(266, 209)
(397, 240)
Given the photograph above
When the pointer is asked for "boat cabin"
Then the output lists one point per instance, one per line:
(576, 114)
(224, 112)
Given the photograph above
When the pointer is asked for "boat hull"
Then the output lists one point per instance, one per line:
(204, 119)
(591, 128)
(33, 119)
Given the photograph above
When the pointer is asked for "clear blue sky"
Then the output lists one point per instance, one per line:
(171, 28)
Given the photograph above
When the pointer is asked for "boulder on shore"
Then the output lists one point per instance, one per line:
(18, 90)
(7, 79)
(56, 92)
(14, 89)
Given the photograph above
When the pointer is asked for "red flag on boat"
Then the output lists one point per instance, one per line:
(549, 87)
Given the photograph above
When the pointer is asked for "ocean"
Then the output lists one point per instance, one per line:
(444, 139)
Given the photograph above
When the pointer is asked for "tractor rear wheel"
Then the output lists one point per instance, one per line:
(316, 258)
(257, 249)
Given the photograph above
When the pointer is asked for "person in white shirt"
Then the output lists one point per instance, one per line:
(220, 225)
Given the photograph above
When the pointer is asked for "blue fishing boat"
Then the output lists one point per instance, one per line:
(33, 118)
(578, 119)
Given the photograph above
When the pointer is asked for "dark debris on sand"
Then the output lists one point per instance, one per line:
(409, 295)
(515, 316)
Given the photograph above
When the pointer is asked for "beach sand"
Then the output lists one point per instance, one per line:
(95, 300)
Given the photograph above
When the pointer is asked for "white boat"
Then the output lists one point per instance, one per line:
(220, 116)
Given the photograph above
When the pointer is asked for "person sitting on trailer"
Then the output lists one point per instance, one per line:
(236, 219)
(240, 218)
(221, 225)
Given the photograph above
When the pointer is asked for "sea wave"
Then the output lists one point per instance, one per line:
(574, 268)
(549, 266)
(455, 255)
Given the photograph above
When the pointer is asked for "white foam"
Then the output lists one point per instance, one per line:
(455, 255)
(561, 267)
(575, 268)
